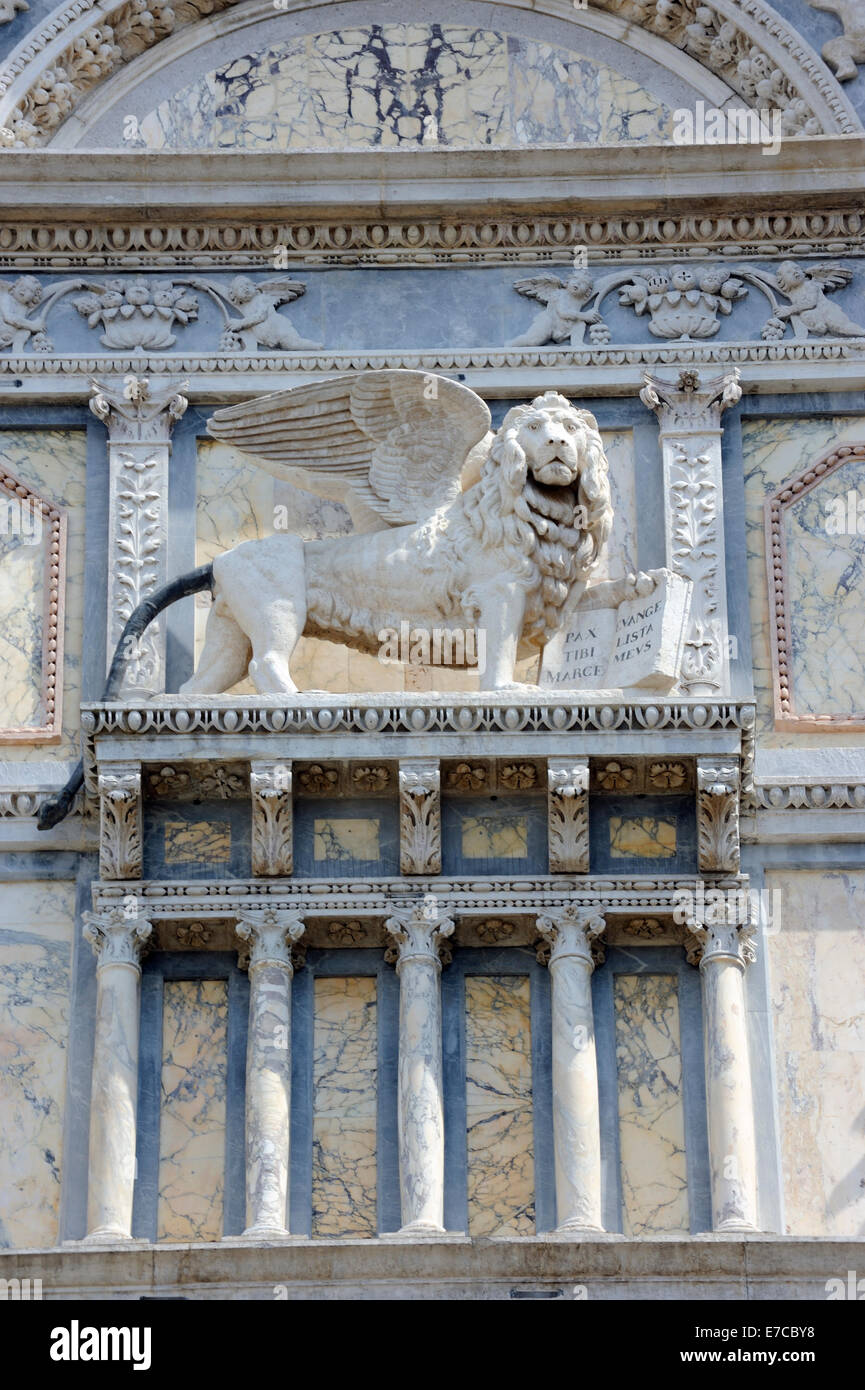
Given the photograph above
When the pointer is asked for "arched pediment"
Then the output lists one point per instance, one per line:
(89, 61)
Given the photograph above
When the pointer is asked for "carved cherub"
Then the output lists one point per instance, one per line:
(260, 325)
(809, 311)
(846, 50)
(18, 301)
(563, 317)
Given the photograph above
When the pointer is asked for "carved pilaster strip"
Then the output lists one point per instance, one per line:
(420, 836)
(690, 429)
(120, 832)
(270, 786)
(718, 815)
(139, 418)
(568, 815)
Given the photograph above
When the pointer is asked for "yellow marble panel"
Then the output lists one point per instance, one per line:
(817, 982)
(192, 1114)
(483, 838)
(774, 450)
(651, 1113)
(53, 463)
(500, 1138)
(345, 1052)
(644, 837)
(37, 927)
(349, 839)
(194, 842)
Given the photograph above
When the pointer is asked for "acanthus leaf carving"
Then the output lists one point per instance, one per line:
(420, 816)
(420, 932)
(120, 838)
(268, 936)
(718, 815)
(272, 820)
(118, 936)
(568, 814)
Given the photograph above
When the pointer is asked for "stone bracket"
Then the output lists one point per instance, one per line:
(718, 785)
(272, 818)
(120, 828)
(420, 833)
(568, 815)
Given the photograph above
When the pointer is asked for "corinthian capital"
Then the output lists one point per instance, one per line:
(419, 932)
(137, 410)
(571, 931)
(270, 936)
(118, 937)
(688, 406)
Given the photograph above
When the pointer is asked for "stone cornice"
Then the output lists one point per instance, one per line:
(464, 898)
(233, 187)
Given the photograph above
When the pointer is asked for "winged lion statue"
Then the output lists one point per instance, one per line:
(461, 525)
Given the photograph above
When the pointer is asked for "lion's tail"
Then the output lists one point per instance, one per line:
(56, 808)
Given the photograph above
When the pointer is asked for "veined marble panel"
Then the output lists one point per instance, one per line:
(774, 450)
(824, 585)
(643, 837)
(651, 1113)
(37, 924)
(53, 463)
(500, 836)
(192, 1114)
(192, 842)
(817, 979)
(500, 1141)
(386, 85)
(345, 1070)
(351, 839)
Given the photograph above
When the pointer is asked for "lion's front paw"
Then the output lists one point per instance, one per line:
(642, 583)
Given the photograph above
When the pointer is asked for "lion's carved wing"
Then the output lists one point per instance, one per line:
(398, 439)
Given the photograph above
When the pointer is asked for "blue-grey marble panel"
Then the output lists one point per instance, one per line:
(494, 835)
(619, 825)
(349, 838)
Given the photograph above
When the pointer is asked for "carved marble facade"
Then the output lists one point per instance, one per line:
(463, 847)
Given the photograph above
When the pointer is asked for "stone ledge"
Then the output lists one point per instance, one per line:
(456, 1267)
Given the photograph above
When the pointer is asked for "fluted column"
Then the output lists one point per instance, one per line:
(419, 932)
(729, 1100)
(576, 1112)
(117, 939)
(270, 936)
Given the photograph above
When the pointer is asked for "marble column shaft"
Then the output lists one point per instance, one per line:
(420, 1099)
(268, 1069)
(576, 1111)
(729, 1100)
(117, 941)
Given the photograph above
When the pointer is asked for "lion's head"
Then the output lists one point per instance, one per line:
(544, 494)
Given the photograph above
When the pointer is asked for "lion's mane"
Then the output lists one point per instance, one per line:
(550, 538)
